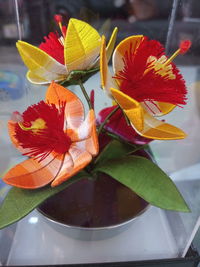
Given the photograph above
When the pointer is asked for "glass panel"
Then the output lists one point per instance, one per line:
(157, 233)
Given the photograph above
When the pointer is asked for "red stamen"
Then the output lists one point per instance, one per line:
(58, 18)
(42, 142)
(184, 46)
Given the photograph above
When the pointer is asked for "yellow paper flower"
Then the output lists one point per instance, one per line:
(145, 84)
(77, 49)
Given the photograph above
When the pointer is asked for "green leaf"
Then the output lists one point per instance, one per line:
(19, 202)
(147, 180)
(113, 150)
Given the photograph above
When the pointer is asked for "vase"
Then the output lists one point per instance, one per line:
(93, 208)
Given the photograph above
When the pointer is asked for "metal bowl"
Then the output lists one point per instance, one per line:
(93, 209)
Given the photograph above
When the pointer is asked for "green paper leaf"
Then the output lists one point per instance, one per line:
(147, 180)
(20, 202)
(113, 150)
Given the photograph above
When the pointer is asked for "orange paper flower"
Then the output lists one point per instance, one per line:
(55, 136)
(145, 84)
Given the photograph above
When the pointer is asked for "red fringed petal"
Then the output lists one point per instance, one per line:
(53, 47)
(118, 125)
(143, 83)
(42, 141)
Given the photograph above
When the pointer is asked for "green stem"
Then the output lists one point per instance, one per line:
(106, 119)
(85, 94)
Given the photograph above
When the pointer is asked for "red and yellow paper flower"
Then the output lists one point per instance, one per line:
(145, 84)
(55, 136)
(76, 49)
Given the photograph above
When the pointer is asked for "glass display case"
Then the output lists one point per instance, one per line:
(157, 237)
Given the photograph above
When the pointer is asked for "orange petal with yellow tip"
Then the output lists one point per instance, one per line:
(31, 174)
(106, 78)
(124, 46)
(74, 110)
(131, 108)
(80, 159)
(156, 129)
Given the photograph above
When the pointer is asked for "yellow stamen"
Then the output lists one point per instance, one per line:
(36, 125)
(60, 25)
(173, 57)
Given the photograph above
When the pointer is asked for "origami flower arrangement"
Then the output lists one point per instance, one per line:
(62, 145)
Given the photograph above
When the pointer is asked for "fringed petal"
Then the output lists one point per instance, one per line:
(82, 45)
(74, 110)
(31, 174)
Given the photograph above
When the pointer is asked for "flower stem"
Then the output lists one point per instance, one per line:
(107, 118)
(85, 94)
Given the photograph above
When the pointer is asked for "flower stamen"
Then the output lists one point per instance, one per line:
(37, 125)
(183, 48)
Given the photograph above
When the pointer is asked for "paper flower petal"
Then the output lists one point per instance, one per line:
(82, 44)
(117, 124)
(33, 78)
(11, 131)
(66, 168)
(74, 110)
(84, 130)
(106, 78)
(80, 159)
(156, 129)
(91, 144)
(144, 123)
(158, 108)
(131, 108)
(120, 50)
(31, 174)
(109, 48)
(111, 43)
(40, 63)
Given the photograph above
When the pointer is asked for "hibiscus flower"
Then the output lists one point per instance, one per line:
(145, 84)
(76, 49)
(54, 134)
